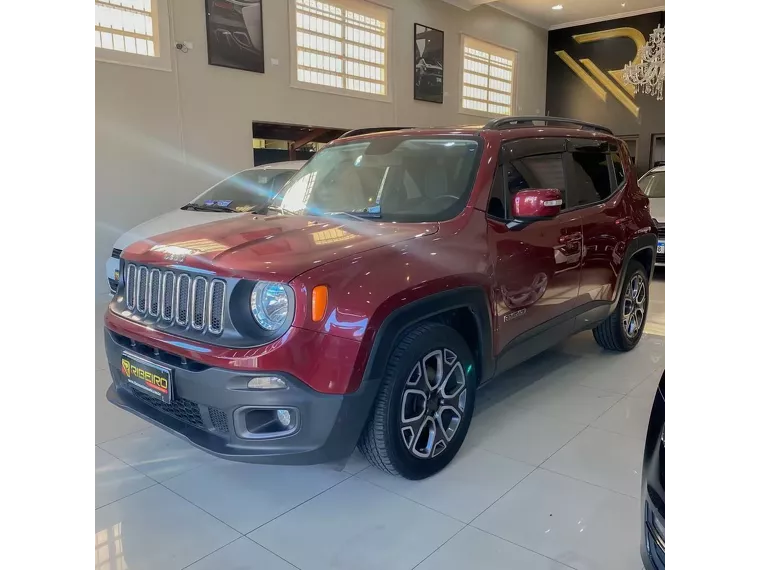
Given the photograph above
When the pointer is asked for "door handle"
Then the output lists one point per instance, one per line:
(577, 236)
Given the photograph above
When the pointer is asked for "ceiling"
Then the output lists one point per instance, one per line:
(540, 13)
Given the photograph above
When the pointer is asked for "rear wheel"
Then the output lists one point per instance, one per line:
(622, 330)
(424, 406)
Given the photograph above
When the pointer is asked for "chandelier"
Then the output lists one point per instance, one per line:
(649, 73)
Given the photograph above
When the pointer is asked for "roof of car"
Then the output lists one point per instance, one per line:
(512, 126)
(287, 165)
(514, 132)
(657, 169)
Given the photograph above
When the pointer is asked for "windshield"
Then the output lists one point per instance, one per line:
(653, 184)
(393, 178)
(245, 191)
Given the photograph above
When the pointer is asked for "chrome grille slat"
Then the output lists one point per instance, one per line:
(167, 296)
(183, 299)
(176, 298)
(142, 286)
(154, 290)
(198, 310)
(130, 282)
(216, 306)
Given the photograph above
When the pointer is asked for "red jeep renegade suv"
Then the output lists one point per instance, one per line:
(388, 279)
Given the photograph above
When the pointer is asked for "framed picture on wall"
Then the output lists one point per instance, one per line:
(235, 33)
(428, 64)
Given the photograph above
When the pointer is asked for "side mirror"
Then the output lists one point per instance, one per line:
(537, 203)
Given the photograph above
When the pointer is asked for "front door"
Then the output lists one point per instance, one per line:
(536, 265)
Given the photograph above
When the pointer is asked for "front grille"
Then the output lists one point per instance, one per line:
(660, 258)
(175, 298)
(661, 232)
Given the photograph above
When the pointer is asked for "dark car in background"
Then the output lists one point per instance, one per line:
(653, 486)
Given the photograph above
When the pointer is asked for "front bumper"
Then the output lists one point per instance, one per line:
(208, 405)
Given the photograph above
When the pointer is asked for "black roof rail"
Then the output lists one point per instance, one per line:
(368, 130)
(530, 121)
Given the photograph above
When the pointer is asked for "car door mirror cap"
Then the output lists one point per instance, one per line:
(537, 204)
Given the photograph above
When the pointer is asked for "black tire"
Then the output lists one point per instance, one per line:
(381, 441)
(610, 334)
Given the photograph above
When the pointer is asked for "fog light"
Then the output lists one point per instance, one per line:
(266, 383)
(283, 416)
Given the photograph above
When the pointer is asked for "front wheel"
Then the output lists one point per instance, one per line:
(622, 330)
(424, 406)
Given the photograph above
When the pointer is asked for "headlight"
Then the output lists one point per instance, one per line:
(269, 304)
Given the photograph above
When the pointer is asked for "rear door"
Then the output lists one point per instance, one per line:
(597, 176)
(536, 266)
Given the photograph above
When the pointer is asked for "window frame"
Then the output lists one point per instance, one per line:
(356, 6)
(163, 43)
(515, 63)
(525, 148)
(529, 147)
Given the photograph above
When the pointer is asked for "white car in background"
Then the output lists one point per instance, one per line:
(238, 195)
(653, 185)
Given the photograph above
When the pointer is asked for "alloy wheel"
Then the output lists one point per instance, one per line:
(433, 403)
(634, 306)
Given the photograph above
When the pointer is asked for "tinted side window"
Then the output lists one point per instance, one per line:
(617, 167)
(496, 203)
(591, 177)
(542, 171)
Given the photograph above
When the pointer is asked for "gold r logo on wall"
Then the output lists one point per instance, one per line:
(622, 92)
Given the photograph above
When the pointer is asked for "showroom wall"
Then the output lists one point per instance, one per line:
(584, 69)
(162, 137)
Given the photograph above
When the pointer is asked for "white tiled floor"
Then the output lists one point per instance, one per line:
(547, 479)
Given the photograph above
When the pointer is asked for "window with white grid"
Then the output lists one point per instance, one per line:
(488, 81)
(126, 25)
(128, 31)
(342, 46)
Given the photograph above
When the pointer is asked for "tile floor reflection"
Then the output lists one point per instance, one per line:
(547, 479)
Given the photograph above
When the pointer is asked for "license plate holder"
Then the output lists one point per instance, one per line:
(148, 377)
(660, 247)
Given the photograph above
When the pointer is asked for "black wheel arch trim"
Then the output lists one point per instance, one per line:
(472, 298)
(636, 245)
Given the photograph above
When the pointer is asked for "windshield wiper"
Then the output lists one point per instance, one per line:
(358, 214)
(204, 208)
(279, 209)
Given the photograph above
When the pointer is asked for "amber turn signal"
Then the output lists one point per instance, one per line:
(318, 302)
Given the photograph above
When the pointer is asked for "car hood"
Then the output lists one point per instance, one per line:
(174, 220)
(274, 247)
